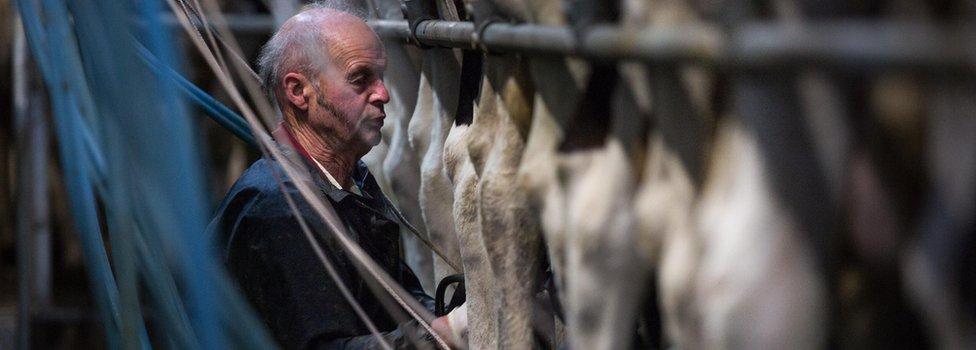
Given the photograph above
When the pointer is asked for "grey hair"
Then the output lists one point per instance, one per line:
(294, 49)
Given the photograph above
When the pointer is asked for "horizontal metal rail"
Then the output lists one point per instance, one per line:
(850, 44)
(844, 44)
(241, 24)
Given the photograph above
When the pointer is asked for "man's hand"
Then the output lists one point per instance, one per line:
(453, 328)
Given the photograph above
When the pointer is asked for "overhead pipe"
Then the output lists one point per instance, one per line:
(854, 45)
(847, 44)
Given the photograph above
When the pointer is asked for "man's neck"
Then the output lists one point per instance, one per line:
(339, 164)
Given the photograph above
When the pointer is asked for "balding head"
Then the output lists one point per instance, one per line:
(306, 42)
(324, 69)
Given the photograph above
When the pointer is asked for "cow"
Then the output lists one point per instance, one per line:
(512, 245)
(437, 103)
(400, 167)
(747, 206)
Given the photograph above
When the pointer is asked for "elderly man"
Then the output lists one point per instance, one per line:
(324, 70)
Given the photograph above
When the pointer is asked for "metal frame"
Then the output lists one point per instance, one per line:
(843, 44)
(33, 227)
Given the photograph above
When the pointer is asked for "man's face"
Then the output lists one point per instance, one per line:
(348, 107)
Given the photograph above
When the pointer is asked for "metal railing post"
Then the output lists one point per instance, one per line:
(33, 216)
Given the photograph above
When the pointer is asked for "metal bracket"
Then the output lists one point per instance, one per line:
(415, 12)
(482, 14)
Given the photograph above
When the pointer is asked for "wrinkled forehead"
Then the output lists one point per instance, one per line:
(352, 41)
(345, 37)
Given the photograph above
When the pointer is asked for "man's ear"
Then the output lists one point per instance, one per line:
(297, 90)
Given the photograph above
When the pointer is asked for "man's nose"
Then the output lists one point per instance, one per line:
(380, 94)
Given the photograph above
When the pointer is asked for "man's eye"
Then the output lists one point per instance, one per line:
(359, 79)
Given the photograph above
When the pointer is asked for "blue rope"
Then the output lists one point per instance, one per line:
(124, 130)
(132, 332)
(81, 197)
(178, 217)
(216, 110)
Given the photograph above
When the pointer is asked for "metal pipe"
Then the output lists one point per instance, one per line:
(21, 116)
(33, 223)
(238, 23)
(282, 10)
(845, 44)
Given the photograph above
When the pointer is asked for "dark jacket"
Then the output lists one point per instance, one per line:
(265, 249)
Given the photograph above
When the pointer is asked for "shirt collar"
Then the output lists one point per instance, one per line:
(354, 188)
(371, 192)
